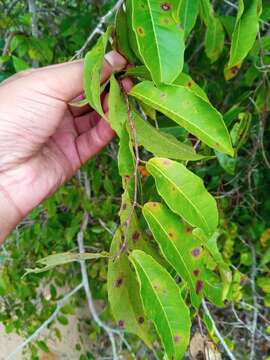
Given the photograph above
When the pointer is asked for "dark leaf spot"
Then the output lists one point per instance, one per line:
(136, 236)
(119, 282)
(196, 272)
(141, 320)
(166, 6)
(140, 31)
(189, 84)
(124, 206)
(196, 252)
(176, 339)
(121, 323)
(199, 286)
(189, 230)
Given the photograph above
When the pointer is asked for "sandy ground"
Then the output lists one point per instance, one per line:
(64, 350)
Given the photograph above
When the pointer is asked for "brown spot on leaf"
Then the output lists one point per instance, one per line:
(136, 236)
(196, 252)
(119, 282)
(235, 69)
(124, 206)
(166, 6)
(189, 230)
(189, 84)
(141, 320)
(167, 162)
(121, 323)
(196, 272)
(199, 286)
(140, 31)
(176, 339)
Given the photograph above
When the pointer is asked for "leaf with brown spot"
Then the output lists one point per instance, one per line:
(152, 22)
(123, 293)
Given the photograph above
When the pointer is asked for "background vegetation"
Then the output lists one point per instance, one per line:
(37, 33)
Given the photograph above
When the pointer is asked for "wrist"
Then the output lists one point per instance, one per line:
(9, 215)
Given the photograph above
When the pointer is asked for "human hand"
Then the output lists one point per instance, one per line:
(43, 141)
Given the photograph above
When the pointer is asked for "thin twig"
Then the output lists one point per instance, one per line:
(36, 334)
(217, 333)
(34, 25)
(97, 29)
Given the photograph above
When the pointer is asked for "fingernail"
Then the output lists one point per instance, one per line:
(117, 61)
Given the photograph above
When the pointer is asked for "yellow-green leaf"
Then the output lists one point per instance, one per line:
(163, 304)
(91, 73)
(187, 109)
(162, 144)
(184, 193)
(123, 293)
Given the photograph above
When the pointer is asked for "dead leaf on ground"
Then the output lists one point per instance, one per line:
(201, 348)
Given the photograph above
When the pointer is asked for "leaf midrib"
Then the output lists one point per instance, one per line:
(155, 36)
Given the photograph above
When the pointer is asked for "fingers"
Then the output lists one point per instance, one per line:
(93, 141)
(65, 81)
(86, 122)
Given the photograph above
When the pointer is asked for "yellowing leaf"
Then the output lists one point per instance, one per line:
(162, 144)
(184, 193)
(180, 248)
(54, 260)
(187, 109)
(163, 304)
(123, 293)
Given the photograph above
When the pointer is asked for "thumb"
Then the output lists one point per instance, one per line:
(65, 81)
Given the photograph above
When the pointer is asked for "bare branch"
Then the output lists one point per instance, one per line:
(98, 29)
(34, 25)
(46, 323)
(217, 333)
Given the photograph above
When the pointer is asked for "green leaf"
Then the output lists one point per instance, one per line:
(162, 144)
(245, 31)
(214, 39)
(214, 36)
(43, 346)
(184, 193)
(163, 304)
(180, 248)
(54, 260)
(210, 243)
(92, 69)
(19, 64)
(118, 113)
(122, 38)
(226, 162)
(159, 37)
(126, 158)
(186, 80)
(140, 72)
(123, 293)
(188, 14)
(187, 109)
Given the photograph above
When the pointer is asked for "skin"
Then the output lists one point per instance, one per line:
(43, 140)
